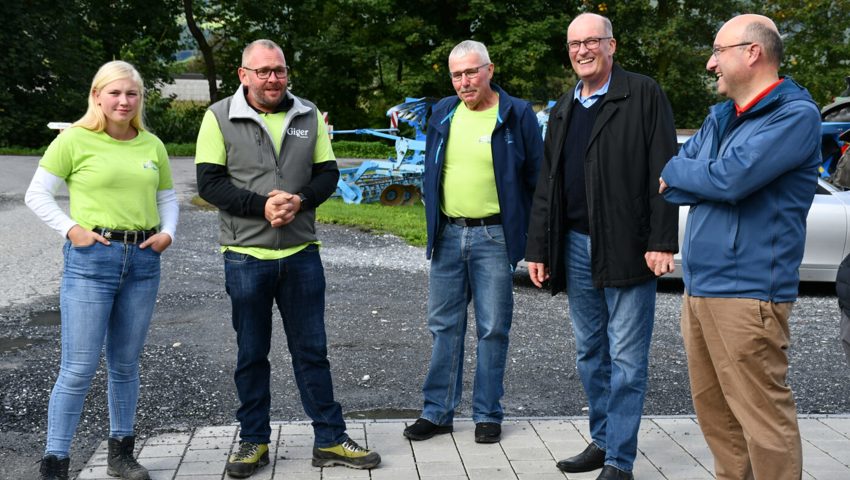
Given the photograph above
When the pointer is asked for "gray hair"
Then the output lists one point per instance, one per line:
(268, 44)
(760, 33)
(470, 46)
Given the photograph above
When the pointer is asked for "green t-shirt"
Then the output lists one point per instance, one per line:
(210, 148)
(469, 181)
(112, 183)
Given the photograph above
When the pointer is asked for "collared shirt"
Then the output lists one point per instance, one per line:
(740, 110)
(588, 101)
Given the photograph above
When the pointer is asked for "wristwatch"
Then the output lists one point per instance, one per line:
(303, 200)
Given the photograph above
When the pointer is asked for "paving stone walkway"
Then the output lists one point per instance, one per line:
(669, 448)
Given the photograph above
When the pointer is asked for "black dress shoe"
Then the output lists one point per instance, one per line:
(487, 432)
(613, 473)
(423, 430)
(590, 459)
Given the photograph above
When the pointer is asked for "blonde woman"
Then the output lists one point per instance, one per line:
(123, 215)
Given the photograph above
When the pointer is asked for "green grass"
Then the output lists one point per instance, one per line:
(180, 149)
(23, 151)
(406, 222)
(355, 149)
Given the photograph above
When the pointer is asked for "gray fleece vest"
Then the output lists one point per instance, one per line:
(253, 165)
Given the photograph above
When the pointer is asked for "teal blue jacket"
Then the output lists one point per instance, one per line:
(750, 182)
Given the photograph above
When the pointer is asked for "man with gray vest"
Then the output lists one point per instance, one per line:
(267, 195)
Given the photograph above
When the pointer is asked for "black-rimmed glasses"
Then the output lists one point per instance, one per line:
(591, 43)
(264, 73)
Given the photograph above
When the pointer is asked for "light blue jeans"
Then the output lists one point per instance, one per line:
(107, 297)
(613, 329)
(468, 264)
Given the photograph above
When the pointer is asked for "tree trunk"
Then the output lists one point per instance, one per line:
(206, 50)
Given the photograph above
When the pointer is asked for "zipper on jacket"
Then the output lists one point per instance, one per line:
(437, 156)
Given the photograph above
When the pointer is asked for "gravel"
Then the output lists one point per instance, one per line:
(378, 342)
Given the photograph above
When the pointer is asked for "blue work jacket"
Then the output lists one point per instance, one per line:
(517, 150)
(750, 181)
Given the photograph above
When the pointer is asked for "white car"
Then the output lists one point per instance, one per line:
(827, 231)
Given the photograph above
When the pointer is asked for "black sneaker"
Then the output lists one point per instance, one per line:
(423, 430)
(247, 459)
(487, 432)
(54, 469)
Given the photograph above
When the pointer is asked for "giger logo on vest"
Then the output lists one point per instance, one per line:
(298, 132)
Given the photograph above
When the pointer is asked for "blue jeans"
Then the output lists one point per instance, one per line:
(297, 284)
(107, 296)
(468, 263)
(613, 329)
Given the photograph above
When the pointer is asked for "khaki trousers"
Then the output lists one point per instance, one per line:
(737, 363)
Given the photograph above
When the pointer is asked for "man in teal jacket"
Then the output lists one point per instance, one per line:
(749, 175)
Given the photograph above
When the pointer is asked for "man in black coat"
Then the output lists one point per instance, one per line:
(600, 230)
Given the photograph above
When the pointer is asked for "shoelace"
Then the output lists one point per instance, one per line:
(352, 446)
(246, 450)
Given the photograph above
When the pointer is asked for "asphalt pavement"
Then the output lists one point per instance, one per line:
(379, 345)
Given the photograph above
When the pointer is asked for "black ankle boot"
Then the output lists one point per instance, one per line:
(54, 469)
(121, 463)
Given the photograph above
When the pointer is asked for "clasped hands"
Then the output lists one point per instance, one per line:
(281, 207)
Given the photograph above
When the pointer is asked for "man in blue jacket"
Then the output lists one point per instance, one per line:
(484, 151)
(749, 175)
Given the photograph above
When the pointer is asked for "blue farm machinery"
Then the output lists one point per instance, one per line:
(397, 180)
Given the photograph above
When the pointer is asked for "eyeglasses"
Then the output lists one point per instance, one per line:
(591, 43)
(265, 73)
(718, 50)
(471, 74)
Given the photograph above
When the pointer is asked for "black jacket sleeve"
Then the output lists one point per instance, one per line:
(322, 184)
(215, 187)
(842, 285)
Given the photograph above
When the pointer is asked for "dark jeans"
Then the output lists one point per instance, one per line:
(297, 284)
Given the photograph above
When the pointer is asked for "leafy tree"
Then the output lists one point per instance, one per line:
(52, 57)
(205, 48)
(45, 77)
(356, 58)
(669, 40)
(817, 43)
